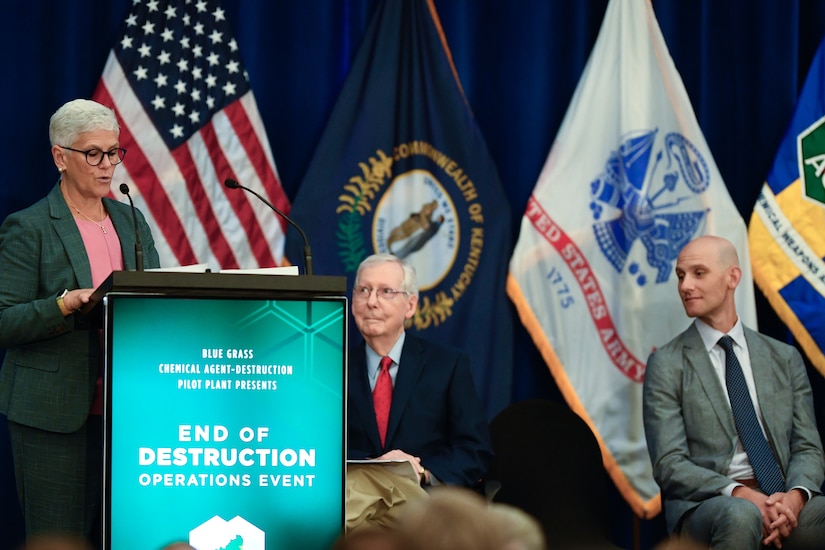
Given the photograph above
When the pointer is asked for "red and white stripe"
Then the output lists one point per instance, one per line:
(194, 218)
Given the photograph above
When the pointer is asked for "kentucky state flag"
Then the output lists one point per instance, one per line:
(628, 181)
(787, 227)
(402, 168)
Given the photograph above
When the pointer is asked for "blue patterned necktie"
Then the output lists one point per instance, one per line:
(765, 468)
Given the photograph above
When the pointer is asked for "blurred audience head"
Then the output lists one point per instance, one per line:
(680, 543)
(518, 529)
(370, 538)
(57, 542)
(452, 518)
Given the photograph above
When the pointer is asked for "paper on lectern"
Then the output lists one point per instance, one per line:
(403, 468)
(287, 270)
(194, 268)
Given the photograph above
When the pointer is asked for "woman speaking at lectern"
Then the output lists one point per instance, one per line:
(52, 256)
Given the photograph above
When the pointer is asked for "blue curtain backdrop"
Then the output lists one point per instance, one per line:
(742, 61)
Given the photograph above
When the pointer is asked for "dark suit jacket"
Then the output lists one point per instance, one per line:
(689, 426)
(48, 376)
(436, 413)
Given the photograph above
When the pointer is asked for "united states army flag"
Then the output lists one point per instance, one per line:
(628, 181)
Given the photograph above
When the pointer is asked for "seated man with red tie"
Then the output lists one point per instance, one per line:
(408, 399)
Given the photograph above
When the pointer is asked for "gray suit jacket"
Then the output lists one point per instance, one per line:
(689, 426)
(48, 376)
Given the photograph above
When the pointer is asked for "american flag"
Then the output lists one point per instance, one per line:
(189, 121)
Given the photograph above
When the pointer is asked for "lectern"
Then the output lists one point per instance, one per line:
(224, 409)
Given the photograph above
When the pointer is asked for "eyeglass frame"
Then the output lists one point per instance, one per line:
(120, 154)
(384, 293)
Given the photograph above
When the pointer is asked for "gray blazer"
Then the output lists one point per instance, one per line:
(48, 376)
(691, 436)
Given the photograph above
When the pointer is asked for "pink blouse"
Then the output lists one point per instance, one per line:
(105, 256)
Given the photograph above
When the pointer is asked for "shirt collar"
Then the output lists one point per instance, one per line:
(373, 359)
(710, 336)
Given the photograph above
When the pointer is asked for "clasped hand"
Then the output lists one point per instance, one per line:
(780, 513)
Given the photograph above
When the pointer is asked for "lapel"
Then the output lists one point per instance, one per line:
(122, 220)
(360, 398)
(68, 233)
(410, 369)
(696, 358)
(764, 379)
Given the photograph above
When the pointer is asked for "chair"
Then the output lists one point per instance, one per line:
(549, 464)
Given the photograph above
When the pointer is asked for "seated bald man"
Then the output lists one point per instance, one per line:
(729, 420)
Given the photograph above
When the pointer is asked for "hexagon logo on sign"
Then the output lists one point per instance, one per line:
(812, 160)
(235, 534)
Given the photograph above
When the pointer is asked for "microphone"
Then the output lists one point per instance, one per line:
(138, 246)
(232, 184)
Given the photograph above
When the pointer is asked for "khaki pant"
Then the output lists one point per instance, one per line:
(375, 496)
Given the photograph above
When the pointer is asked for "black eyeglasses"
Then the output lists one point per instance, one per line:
(95, 156)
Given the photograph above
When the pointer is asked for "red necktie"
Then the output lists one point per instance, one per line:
(382, 397)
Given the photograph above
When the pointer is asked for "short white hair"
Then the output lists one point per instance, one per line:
(410, 282)
(77, 117)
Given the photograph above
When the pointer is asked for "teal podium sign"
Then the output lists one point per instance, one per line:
(225, 419)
